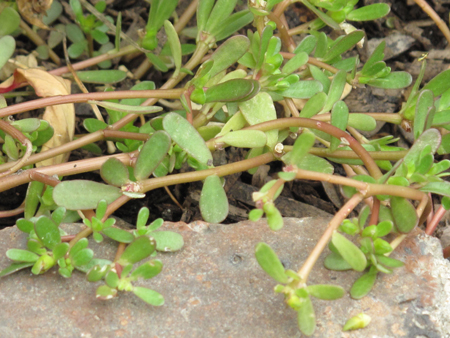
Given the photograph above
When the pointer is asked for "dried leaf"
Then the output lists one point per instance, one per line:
(34, 10)
(61, 117)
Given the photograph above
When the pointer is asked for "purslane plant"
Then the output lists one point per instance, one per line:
(222, 105)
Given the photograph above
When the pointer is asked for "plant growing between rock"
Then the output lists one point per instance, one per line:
(235, 107)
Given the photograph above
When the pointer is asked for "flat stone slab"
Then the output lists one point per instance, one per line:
(214, 287)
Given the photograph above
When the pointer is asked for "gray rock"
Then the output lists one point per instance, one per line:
(396, 44)
(213, 287)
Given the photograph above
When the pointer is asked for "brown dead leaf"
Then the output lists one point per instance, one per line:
(34, 10)
(60, 117)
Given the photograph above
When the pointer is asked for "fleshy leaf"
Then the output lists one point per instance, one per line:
(82, 194)
(302, 89)
(7, 46)
(326, 292)
(152, 154)
(357, 322)
(118, 235)
(148, 270)
(363, 284)
(245, 138)
(114, 172)
(339, 119)
(232, 91)
(14, 268)
(125, 108)
(104, 292)
(404, 213)
(349, 251)
(187, 137)
(334, 261)
(167, 241)
(343, 45)
(102, 76)
(19, 255)
(47, 232)
(82, 257)
(213, 200)
(141, 248)
(149, 296)
(395, 80)
(306, 317)
(369, 13)
(228, 53)
(270, 263)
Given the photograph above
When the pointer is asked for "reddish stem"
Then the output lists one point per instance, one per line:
(432, 225)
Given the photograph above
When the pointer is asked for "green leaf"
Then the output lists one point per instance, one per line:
(395, 80)
(326, 292)
(384, 228)
(228, 53)
(336, 90)
(187, 137)
(362, 122)
(232, 24)
(314, 105)
(114, 172)
(430, 137)
(102, 76)
(349, 251)
(439, 84)
(119, 235)
(244, 138)
(92, 125)
(301, 148)
(364, 284)
(149, 296)
(306, 317)
(339, 119)
(318, 75)
(307, 45)
(47, 232)
(152, 154)
(112, 279)
(141, 248)
(7, 46)
(82, 257)
(325, 18)
(97, 272)
(359, 321)
(25, 225)
(270, 263)
(14, 268)
(78, 246)
(343, 45)
(167, 241)
(147, 270)
(60, 250)
(302, 89)
(213, 200)
(175, 46)
(19, 255)
(104, 292)
(130, 109)
(203, 12)
(389, 262)
(300, 59)
(10, 20)
(439, 188)
(334, 261)
(83, 195)
(274, 218)
(255, 215)
(43, 264)
(232, 91)
(404, 213)
(369, 13)
(423, 106)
